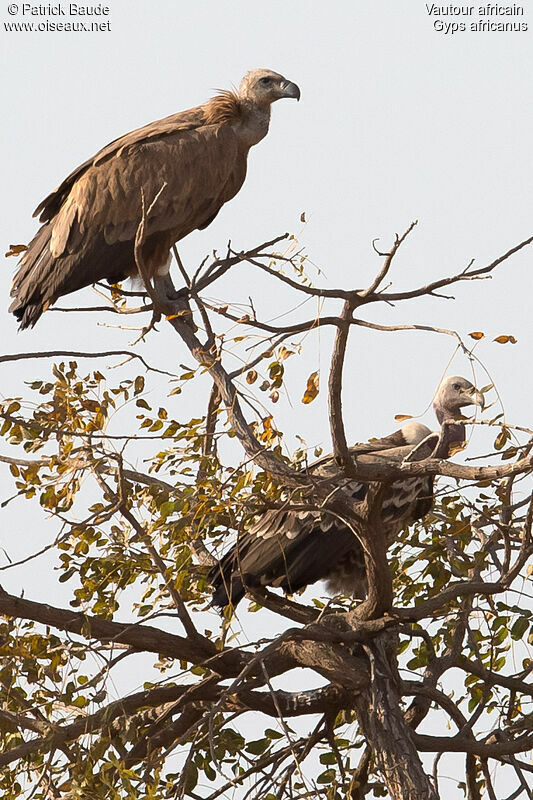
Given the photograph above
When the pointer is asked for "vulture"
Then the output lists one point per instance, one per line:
(292, 548)
(183, 168)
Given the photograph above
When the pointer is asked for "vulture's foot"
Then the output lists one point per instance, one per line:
(156, 317)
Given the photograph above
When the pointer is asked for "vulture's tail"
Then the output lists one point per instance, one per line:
(42, 278)
(227, 587)
(27, 286)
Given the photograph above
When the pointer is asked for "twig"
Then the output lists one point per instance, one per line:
(77, 354)
(382, 274)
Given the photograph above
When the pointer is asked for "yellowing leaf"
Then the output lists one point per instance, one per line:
(245, 480)
(275, 369)
(251, 376)
(402, 417)
(476, 335)
(284, 353)
(15, 250)
(505, 339)
(312, 389)
(183, 313)
(501, 438)
(456, 447)
(269, 432)
(274, 396)
(302, 216)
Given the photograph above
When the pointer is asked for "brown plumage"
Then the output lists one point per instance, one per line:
(187, 165)
(292, 547)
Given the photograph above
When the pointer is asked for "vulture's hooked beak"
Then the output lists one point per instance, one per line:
(476, 398)
(289, 89)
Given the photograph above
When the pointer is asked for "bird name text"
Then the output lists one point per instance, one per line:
(487, 18)
(488, 10)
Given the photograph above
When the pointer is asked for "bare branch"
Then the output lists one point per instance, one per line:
(220, 266)
(78, 354)
(382, 274)
(459, 744)
(466, 275)
(143, 638)
(338, 433)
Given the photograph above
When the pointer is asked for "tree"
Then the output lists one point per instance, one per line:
(135, 546)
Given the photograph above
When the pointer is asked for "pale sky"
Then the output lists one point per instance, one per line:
(396, 122)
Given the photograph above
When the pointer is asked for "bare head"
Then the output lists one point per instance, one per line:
(262, 87)
(453, 394)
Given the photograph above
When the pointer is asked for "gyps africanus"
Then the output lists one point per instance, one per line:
(292, 548)
(185, 166)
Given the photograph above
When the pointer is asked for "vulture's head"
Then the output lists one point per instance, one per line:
(453, 394)
(262, 87)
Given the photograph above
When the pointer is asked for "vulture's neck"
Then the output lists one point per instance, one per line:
(254, 122)
(453, 433)
(249, 119)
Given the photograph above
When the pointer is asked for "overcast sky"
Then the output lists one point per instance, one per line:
(397, 122)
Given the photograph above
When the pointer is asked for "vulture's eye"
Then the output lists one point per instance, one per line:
(457, 387)
(265, 81)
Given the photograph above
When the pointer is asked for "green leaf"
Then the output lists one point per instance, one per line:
(258, 746)
(272, 734)
(328, 776)
(519, 628)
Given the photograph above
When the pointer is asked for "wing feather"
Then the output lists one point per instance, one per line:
(191, 173)
(291, 548)
(183, 120)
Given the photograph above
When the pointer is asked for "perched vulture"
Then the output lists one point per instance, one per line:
(294, 548)
(186, 167)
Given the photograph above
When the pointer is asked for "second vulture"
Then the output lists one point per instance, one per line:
(183, 168)
(291, 548)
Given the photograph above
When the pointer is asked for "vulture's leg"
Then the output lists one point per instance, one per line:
(165, 288)
(160, 290)
(173, 303)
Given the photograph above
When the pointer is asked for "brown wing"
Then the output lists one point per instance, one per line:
(395, 439)
(410, 434)
(395, 443)
(192, 173)
(184, 120)
(187, 176)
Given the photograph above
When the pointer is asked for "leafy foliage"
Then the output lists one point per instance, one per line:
(132, 546)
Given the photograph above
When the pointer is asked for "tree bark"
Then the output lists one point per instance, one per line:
(385, 729)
